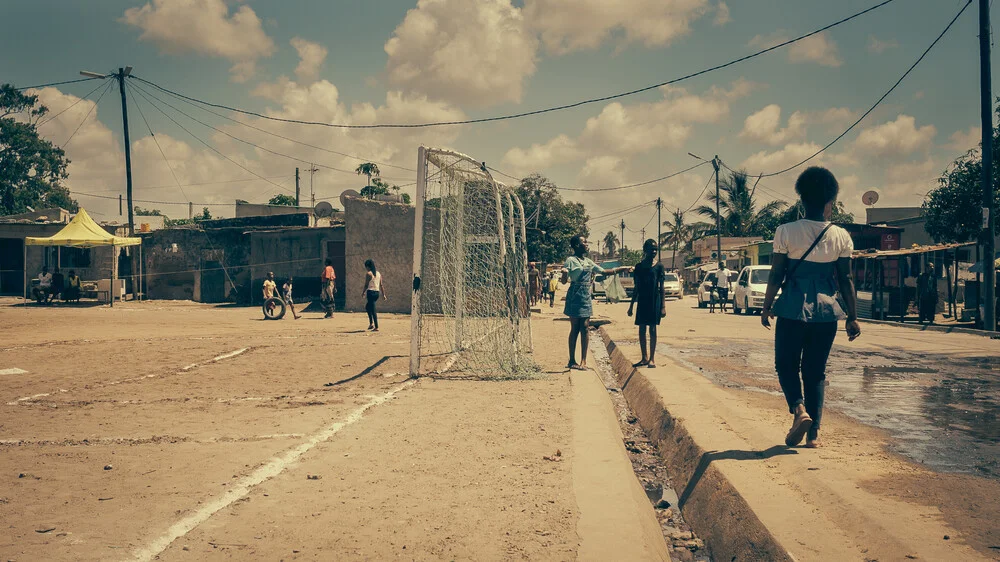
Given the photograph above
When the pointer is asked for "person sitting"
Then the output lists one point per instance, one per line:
(58, 285)
(44, 289)
(72, 291)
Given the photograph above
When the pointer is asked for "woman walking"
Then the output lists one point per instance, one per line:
(373, 288)
(579, 270)
(811, 260)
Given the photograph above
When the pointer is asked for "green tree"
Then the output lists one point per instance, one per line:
(797, 211)
(954, 209)
(375, 188)
(140, 212)
(610, 243)
(740, 215)
(630, 257)
(31, 168)
(369, 169)
(282, 199)
(551, 221)
(680, 233)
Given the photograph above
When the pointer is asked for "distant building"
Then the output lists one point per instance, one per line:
(705, 249)
(907, 218)
(244, 209)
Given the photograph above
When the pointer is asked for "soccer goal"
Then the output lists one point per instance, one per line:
(470, 307)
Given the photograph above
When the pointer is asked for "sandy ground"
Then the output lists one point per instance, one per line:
(855, 496)
(190, 432)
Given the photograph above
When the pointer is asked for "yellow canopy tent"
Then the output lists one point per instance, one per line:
(82, 232)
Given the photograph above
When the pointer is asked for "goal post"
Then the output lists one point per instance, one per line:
(470, 271)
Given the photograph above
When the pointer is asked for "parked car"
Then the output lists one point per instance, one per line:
(705, 289)
(750, 287)
(672, 286)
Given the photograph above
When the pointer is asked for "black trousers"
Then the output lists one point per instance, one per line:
(370, 307)
(928, 308)
(803, 348)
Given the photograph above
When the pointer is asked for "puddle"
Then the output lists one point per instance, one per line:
(939, 410)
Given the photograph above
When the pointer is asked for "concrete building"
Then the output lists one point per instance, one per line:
(245, 209)
(907, 218)
(705, 249)
(383, 232)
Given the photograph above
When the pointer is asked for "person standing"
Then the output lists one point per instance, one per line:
(580, 270)
(811, 259)
(533, 285)
(722, 285)
(553, 287)
(648, 293)
(270, 287)
(286, 289)
(927, 294)
(328, 280)
(373, 289)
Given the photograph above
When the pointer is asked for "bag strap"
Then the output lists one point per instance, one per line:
(809, 251)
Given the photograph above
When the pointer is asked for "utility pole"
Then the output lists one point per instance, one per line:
(296, 187)
(621, 243)
(986, 114)
(718, 223)
(659, 232)
(312, 194)
(190, 210)
(120, 77)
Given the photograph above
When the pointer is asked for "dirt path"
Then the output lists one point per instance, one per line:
(870, 503)
(184, 431)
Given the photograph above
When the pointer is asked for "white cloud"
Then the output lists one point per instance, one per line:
(765, 126)
(573, 25)
(311, 57)
(627, 130)
(819, 48)
(907, 179)
(962, 141)
(468, 53)
(789, 155)
(878, 46)
(603, 170)
(895, 138)
(204, 27)
(722, 16)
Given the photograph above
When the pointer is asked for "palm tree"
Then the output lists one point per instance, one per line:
(680, 233)
(368, 169)
(738, 209)
(610, 242)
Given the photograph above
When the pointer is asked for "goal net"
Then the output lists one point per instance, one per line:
(470, 308)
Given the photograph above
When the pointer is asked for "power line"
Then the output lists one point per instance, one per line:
(537, 111)
(244, 141)
(87, 116)
(212, 148)
(876, 104)
(148, 187)
(616, 212)
(71, 106)
(700, 195)
(185, 203)
(266, 132)
(58, 83)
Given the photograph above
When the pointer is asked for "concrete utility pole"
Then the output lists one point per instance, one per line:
(296, 187)
(986, 114)
(190, 210)
(718, 217)
(312, 194)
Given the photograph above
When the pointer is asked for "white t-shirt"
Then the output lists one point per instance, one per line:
(44, 279)
(722, 277)
(375, 282)
(794, 238)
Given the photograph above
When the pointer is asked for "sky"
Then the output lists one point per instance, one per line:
(412, 61)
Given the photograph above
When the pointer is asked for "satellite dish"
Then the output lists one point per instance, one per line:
(323, 209)
(348, 194)
(870, 197)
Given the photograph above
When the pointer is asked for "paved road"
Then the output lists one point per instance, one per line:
(936, 394)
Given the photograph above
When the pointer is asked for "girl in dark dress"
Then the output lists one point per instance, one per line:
(648, 293)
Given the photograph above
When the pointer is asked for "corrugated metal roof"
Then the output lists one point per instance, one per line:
(862, 254)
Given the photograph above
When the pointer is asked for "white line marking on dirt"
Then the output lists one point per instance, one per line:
(12, 371)
(242, 487)
(216, 359)
(150, 439)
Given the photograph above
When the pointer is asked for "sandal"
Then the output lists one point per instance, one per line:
(798, 431)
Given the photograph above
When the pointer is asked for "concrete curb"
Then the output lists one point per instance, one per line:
(714, 507)
(934, 328)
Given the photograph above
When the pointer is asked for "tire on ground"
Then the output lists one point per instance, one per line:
(274, 309)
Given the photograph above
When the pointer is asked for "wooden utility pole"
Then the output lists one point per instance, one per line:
(986, 115)
(718, 217)
(120, 76)
(621, 242)
(296, 187)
